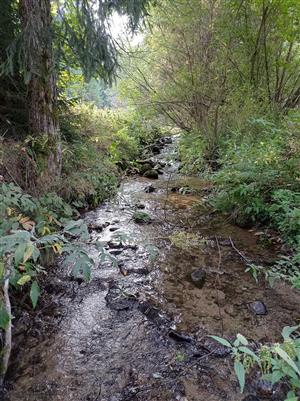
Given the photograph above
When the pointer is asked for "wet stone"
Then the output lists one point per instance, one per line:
(97, 226)
(185, 191)
(264, 389)
(156, 149)
(149, 188)
(114, 228)
(116, 300)
(115, 244)
(145, 167)
(152, 313)
(258, 308)
(198, 277)
(140, 206)
(153, 174)
(181, 337)
(115, 252)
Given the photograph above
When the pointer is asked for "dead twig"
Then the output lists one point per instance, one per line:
(239, 252)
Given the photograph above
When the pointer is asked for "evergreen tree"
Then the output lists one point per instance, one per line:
(53, 34)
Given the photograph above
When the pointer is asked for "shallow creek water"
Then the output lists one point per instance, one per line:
(138, 331)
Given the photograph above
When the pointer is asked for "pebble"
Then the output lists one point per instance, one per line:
(149, 188)
(258, 308)
(140, 206)
(264, 389)
(198, 277)
(115, 252)
(114, 228)
(181, 337)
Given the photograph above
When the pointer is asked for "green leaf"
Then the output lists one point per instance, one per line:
(291, 396)
(2, 269)
(276, 376)
(4, 317)
(286, 358)
(222, 341)
(19, 253)
(34, 293)
(287, 331)
(240, 373)
(242, 339)
(24, 279)
(28, 252)
(248, 351)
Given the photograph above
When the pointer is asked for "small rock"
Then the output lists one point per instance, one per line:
(149, 188)
(140, 206)
(181, 337)
(96, 227)
(155, 149)
(113, 228)
(145, 167)
(258, 308)
(115, 244)
(198, 277)
(115, 221)
(185, 191)
(152, 313)
(115, 252)
(264, 389)
(153, 174)
(224, 242)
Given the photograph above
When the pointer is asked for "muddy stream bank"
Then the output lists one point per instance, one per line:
(138, 331)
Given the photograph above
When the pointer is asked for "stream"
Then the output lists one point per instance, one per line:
(138, 331)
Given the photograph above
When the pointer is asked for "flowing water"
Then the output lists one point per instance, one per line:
(138, 331)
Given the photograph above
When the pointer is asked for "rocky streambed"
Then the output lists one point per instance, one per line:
(138, 330)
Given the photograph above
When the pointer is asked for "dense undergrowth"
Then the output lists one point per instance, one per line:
(256, 177)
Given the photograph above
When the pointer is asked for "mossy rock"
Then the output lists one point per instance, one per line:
(153, 174)
(141, 218)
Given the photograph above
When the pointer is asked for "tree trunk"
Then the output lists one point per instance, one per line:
(41, 78)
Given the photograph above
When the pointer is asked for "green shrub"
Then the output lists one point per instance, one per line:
(276, 362)
(123, 146)
(252, 172)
